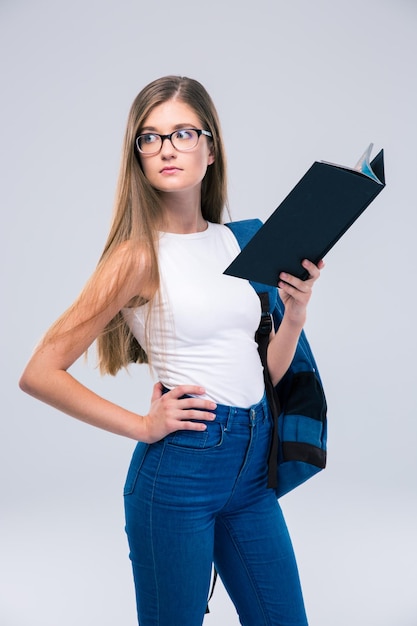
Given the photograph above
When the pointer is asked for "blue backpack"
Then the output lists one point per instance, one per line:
(298, 402)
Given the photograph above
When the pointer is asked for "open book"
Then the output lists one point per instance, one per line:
(311, 219)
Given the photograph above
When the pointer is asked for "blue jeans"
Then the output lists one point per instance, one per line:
(195, 498)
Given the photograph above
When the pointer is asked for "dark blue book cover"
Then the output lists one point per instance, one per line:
(322, 206)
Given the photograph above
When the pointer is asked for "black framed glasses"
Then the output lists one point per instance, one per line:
(183, 140)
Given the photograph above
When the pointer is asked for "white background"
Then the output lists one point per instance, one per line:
(318, 80)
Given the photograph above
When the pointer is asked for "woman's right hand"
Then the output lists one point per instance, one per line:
(170, 411)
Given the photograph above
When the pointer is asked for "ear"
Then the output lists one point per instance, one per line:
(211, 157)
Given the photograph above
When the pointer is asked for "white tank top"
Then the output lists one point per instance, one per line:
(202, 326)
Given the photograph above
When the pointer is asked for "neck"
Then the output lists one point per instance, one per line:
(181, 214)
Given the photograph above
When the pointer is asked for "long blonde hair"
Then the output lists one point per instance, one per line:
(137, 207)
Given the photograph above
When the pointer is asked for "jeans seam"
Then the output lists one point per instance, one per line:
(249, 449)
(250, 575)
(152, 530)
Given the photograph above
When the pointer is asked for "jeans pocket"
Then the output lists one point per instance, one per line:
(134, 468)
(195, 440)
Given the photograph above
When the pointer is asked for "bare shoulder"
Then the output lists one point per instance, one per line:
(128, 269)
(128, 254)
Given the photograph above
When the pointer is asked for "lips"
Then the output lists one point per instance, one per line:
(170, 170)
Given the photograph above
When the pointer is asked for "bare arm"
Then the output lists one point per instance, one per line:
(295, 294)
(46, 377)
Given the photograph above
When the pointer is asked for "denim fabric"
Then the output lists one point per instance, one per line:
(198, 497)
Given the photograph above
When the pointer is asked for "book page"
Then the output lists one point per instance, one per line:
(363, 165)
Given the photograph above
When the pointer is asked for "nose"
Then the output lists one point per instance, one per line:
(167, 148)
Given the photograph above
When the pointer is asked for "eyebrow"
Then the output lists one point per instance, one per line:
(176, 127)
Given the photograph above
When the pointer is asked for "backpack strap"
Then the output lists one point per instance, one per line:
(262, 338)
(213, 584)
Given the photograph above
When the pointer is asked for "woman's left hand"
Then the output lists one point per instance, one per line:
(296, 293)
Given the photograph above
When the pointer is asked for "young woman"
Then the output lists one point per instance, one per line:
(196, 490)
